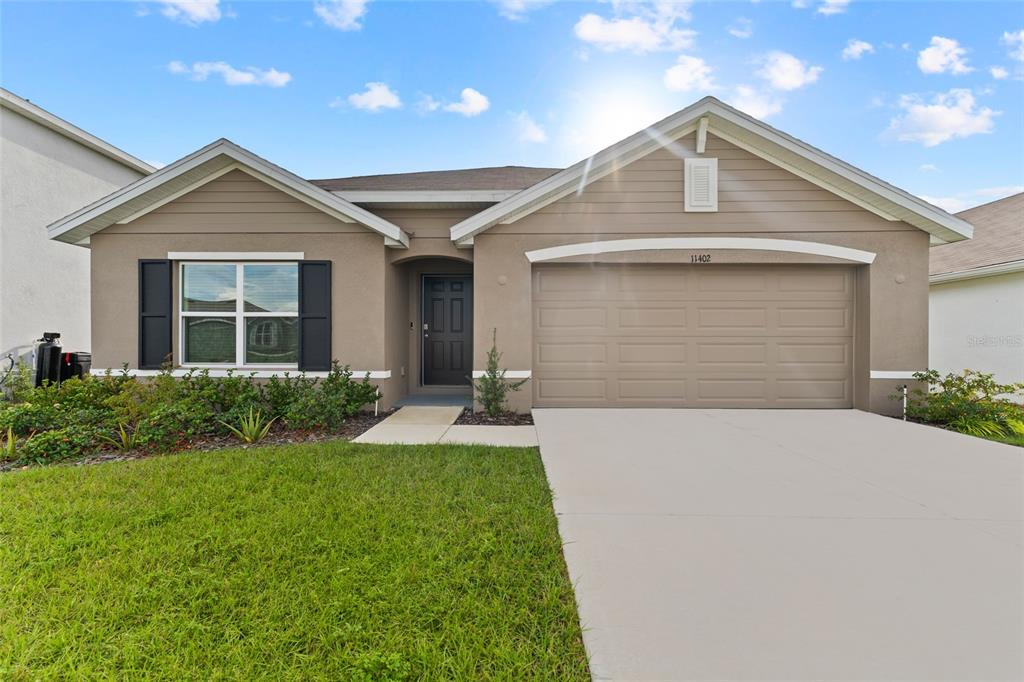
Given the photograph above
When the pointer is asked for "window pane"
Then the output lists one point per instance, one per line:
(271, 340)
(209, 340)
(271, 288)
(208, 288)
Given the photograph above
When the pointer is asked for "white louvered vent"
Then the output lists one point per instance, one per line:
(700, 185)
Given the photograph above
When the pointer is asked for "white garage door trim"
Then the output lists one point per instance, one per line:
(690, 243)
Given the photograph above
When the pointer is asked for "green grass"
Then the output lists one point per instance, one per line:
(330, 561)
(1011, 440)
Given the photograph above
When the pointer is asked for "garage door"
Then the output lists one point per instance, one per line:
(692, 335)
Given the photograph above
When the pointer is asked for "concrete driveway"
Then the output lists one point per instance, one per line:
(788, 545)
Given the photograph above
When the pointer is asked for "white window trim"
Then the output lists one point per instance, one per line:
(509, 374)
(228, 256)
(239, 315)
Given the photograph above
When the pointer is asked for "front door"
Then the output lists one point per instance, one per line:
(447, 330)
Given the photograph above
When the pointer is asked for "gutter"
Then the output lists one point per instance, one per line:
(975, 273)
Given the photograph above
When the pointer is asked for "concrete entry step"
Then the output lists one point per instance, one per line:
(413, 425)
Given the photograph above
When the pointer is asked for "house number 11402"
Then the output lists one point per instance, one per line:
(700, 258)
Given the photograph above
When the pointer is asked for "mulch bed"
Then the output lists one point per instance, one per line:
(471, 418)
(352, 428)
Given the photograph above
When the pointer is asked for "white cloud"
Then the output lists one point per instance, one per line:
(855, 49)
(639, 27)
(928, 167)
(799, 4)
(250, 75)
(377, 96)
(427, 104)
(516, 10)
(830, 7)
(999, 73)
(472, 103)
(741, 28)
(965, 200)
(1014, 41)
(344, 15)
(688, 74)
(785, 72)
(757, 104)
(530, 130)
(191, 12)
(943, 56)
(949, 115)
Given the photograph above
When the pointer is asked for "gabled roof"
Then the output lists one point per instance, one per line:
(748, 133)
(37, 114)
(198, 168)
(998, 239)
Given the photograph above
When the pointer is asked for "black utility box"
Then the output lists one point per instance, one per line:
(75, 365)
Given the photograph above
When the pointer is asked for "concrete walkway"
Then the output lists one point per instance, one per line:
(416, 425)
(788, 545)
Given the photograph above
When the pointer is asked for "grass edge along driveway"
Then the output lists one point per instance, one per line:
(332, 560)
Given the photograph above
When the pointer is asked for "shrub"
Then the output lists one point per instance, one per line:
(969, 402)
(58, 444)
(82, 414)
(492, 387)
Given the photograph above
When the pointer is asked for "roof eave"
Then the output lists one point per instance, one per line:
(44, 118)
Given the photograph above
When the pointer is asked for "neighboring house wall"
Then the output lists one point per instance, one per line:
(979, 324)
(756, 199)
(236, 212)
(44, 284)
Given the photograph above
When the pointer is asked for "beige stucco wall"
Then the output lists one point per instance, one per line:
(756, 199)
(237, 213)
(44, 284)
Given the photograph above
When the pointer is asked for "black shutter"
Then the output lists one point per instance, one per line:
(315, 315)
(155, 313)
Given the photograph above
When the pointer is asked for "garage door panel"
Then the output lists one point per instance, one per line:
(671, 335)
(644, 316)
(837, 353)
(640, 353)
(572, 317)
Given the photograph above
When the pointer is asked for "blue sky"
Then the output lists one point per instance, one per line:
(926, 95)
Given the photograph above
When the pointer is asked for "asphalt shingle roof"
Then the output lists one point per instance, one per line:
(998, 238)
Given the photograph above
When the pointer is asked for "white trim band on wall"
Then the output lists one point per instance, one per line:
(236, 255)
(241, 371)
(894, 374)
(509, 374)
(695, 243)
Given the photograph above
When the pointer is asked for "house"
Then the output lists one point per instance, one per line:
(709, 260)
(976, 295)
(48, 168)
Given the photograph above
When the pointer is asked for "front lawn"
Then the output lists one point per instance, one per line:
(328, 561)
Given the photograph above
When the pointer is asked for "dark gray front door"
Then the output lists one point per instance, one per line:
(447, 329)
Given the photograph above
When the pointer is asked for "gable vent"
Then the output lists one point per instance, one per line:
(700, 185)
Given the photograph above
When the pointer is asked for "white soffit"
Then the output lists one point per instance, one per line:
(749, 133)
(196, 169)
